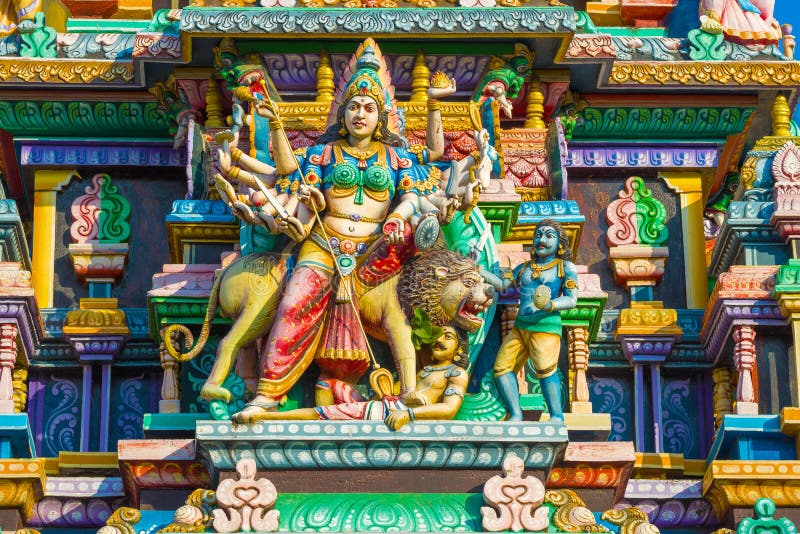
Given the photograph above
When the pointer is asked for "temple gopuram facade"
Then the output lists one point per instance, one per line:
(399, 265)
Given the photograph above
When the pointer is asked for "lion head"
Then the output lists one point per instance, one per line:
(446, 285)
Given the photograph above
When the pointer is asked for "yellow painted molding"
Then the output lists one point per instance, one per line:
(706, 73)
(96, 316)
(50, 466)
(658, 465)
(53, 180)
(694, 468)
(46, 184)
(181, 236)
(65, 71)
(790, 421)
(22, 484)
(647, 318)
(90, 460)
(731, 484)
(689, 187)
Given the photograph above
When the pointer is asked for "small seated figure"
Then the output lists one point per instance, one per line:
(438, 395)
(547, 284)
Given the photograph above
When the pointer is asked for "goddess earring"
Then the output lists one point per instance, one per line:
(342, 131)
(560, 250)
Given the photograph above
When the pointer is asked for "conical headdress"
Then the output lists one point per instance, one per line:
(367, 75)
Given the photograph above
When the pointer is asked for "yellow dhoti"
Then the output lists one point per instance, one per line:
(519, 345)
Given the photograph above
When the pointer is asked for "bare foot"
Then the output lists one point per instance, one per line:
(710, 25)
(258, 409)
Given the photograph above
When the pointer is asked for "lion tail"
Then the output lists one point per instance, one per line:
(176, 330)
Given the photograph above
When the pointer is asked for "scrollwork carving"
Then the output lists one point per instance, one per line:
(246, 505)
(515, 502)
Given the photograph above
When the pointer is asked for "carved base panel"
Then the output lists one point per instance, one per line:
(451, 449)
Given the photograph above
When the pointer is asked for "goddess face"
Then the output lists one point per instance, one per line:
(545, 241)
(361, 117)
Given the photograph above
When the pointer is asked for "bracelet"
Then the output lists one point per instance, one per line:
(551, 306)
(434, 105)
(234, 173)
(236, 155)
(411, 414)
(394, 215)
(275, 125)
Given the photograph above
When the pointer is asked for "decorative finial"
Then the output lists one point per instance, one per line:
(781, 117)
(419, 79)
(368, 60)
(325, 85)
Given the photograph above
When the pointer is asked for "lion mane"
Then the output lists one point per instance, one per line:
(419, 287)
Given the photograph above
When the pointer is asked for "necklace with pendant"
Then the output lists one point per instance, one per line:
(536, 269)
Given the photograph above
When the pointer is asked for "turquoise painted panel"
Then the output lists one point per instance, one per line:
(193, 376)
(680, 416)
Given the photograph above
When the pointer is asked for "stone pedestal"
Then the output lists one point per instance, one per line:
(99, 262)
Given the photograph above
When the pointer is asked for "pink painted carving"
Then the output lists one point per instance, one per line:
(246, 505)
(592, 47)
(515, 502)
(8, 357)
(553, 92)
(85, 210)
(786, 192)
(195, 92)
(744, 358)
(191, 280)
(621, 217)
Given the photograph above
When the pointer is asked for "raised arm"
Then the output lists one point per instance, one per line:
(434, 136)
(281, 149)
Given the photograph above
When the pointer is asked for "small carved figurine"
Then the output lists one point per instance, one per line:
(547, 284)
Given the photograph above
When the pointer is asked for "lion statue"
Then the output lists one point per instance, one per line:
(443, 283)
(448, 286)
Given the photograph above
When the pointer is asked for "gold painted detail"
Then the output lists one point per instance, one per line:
(648, 318)
(533, 194)
(571, 514)
(21, 484)
(122, 521)
(181, 235)
(455, 116)
(96, 316)
(770, 74)
(19, 382)
(65, 71)
(304, 116)
(741, 483)
(630, 521)
(195, 515)
(781, 117)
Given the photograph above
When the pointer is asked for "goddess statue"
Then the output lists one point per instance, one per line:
(747, 22)
(354, 201)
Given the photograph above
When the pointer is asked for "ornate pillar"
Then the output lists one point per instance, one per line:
(8, 359)
(744, 358)
(46, 185)
(647, 331)
(578, 350)
(97, 333)
(689, 186)
(170, 391)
